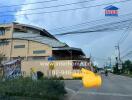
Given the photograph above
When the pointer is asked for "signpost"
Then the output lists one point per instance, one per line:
(120, 65)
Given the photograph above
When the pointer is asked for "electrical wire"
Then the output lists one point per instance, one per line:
(127, 54)
(39, 2)
(55, 11)
(125, 34)
(115, 27)
(89, 22)
(40, 8)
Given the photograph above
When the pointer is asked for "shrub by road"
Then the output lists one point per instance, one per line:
(44, 89)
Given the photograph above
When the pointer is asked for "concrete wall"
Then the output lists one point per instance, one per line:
(27, 51)
(9, 51)
(61, 68)
(30, 46)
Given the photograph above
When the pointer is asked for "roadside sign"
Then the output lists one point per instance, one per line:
(120, 65)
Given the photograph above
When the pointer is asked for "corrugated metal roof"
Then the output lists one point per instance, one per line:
(38, 38)
(35, 27)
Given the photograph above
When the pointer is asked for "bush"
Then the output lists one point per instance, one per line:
(43, 89)
(57, 78)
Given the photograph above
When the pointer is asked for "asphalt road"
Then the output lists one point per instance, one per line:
(114, 87)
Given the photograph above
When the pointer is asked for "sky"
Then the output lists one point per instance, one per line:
(100, 45)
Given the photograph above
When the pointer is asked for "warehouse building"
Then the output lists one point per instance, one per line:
(38, 48)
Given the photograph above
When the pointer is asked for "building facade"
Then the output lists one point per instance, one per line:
(38, 48)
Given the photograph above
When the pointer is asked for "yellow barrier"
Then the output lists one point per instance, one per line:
(89, 79)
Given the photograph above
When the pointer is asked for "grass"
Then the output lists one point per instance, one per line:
(45, 89)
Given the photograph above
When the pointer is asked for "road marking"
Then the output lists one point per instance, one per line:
(71, 90)
(106, 94)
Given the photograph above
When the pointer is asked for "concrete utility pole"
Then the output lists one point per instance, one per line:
(109, 58)
(119, 62)
(119, 54)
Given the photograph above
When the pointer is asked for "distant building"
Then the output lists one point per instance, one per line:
(37, 48)
(111, 11)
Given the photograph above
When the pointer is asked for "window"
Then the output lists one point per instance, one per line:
(4, 43)
(39, 51)
(2, 31)
(19, 46)
(37, 58)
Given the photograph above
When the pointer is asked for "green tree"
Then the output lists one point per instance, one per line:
(115, 69)
(127, 66)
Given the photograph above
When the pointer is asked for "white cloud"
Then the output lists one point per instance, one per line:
(99, 44)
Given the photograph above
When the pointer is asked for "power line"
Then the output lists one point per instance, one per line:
(98, 30)
(88, 22)
(83, 32)
(62, 5)
(95, 29)
(55, 11)
(123, 38)
(78, 32)
(127, 54)
(86, 31)
(126, 50)
(27, 3)
(125, 34)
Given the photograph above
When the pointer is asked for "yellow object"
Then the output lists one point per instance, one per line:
(89, 79)
(33, 69)
(85, 71)
(77, 75)
(51, 65)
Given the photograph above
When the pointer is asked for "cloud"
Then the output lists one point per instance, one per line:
(98, 44)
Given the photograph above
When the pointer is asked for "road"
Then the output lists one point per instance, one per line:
(114, 87)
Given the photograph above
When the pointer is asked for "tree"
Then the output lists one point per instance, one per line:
(115, 69)
(127, 66)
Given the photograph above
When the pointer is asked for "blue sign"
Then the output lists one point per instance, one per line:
(111, 11)
(51, 58)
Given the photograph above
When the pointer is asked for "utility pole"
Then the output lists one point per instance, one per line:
(118, 59)
(90, 58)
(109, 58)
(119, 54)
